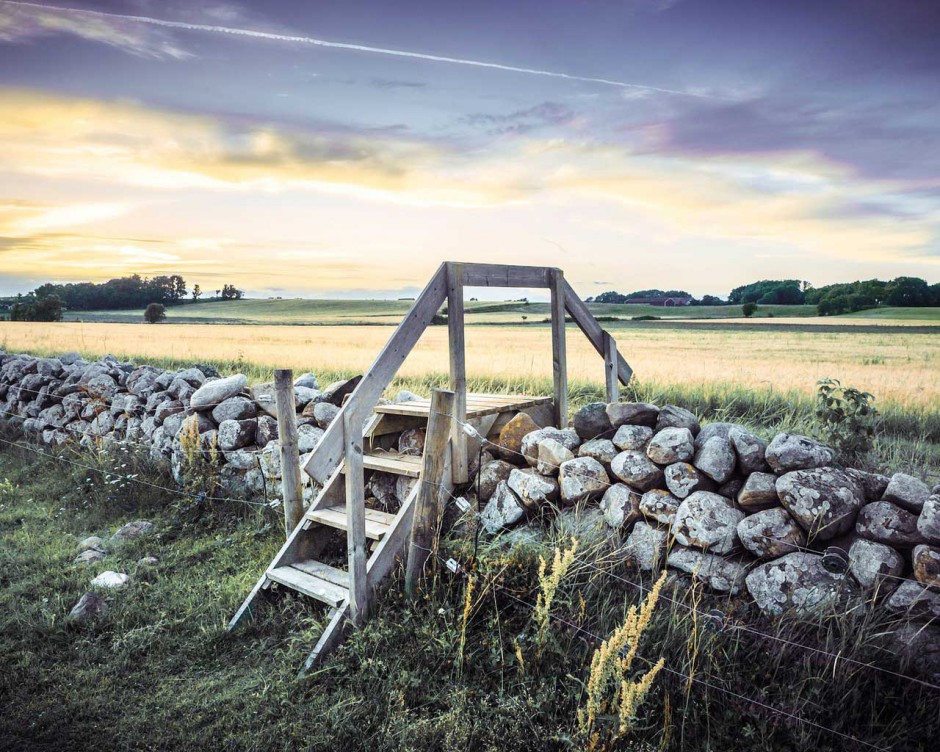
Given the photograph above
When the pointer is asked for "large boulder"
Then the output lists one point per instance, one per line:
(716, 458)
(671, 445)
(928, 524)
(825, 500)
(750, 448)
(683, 479)
(235, 408)
(875, 565)
(636, 470)
(502, 510)
(907, 492)
(789, 451)
(552, 454)
(530, 442)
(632, 438)
(758, 492)
(796, 584)
(491, 474)
(885, 522)
(771, 533)
(659, 506)
(591, 422)
(715, 572)
(603, 450)
(927, 565)
(621, 506)
(673, 416)
(710, 430)
(915, 600)
(235, 434)
(307, 437)
(646, 545)
(708, 521)
(213, 392)
(511, 435)
(582, 478)
(532, 488)
(632, 414)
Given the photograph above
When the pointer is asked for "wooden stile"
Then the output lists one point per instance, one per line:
(291, 485)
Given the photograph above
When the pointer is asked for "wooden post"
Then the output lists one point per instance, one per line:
(355, 519)
(559, 357)
(431, 489)
(610, 368)
(291, 487)
(458, 372)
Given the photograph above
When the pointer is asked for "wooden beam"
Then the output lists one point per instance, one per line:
(593, 331)
(458, 372)
(505, 275)
(559, 355)
(291, 486)
(432, 487)
(610, 368)
(356, 517)
(329, 452)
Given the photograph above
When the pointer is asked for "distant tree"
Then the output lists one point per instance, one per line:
(709, 300)
(48, 308)
(230, 292)
(197, 292)
(770, 291)
(155, 313)
(749, 309)
(907, 292)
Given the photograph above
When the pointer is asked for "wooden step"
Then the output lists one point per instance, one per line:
(377, 523)
(392, 462)
(477, 405)
(309, 584)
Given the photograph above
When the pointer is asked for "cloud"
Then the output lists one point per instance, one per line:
(542, 115)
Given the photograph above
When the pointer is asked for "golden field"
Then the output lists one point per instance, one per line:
(900, 369)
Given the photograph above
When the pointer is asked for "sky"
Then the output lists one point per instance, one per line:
(345, 149)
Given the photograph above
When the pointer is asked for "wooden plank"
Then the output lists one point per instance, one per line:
(418, 410)
(505, 275)
(324, 572)
(397, 464)
(610, 368)
(329, 452)
(309, 585)
(393, 543)
(291, 487)
(355, 519)
(431, 489)
(559, 348)
(332, 636)
(458, 371)
(593, 331)
(247, 610)
(376, 523)
(389, 424)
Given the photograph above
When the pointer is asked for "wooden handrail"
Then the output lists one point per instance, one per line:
(593, 331)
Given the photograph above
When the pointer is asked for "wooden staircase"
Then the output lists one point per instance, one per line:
(362, 439)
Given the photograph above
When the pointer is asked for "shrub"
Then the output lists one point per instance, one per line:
(846, 418)
(155, 313)
(749, 309)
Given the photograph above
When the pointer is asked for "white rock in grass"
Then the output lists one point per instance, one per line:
(502, 510)
(111, 580)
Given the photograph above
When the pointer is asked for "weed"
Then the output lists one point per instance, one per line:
(847, 418)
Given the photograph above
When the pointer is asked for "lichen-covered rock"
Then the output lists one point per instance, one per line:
(621, 506)
(928, 523)
(659, 506)
(758, 492)
(91, 556)
(790, 451)
(603, 450)
(235, 434)
(771, 533)
(530, 442)
(673, 416)
(915, 600)
(927, 565)
(532, 488)
(324, 413)
(873, 485)
(92, 542)
(552, 454)
(825, 500)
(110, 580)
(89, 606)
(715, 458)
(907, 492)
(875, 565)
(636, 470)
(885, 522)
(411, 441)
(213, 392)
(683, 479)
(510, 436)
(130, 531)
(671, 445)
(715, 572)
(307, 437)
(235, 408)
(708, 521)
(632, 438)
(502, 510)
(582, 478)
(796, 584)
(632, 414)
(750, 450)
(491, 474)
(646, 545)
(710, 430)
(591, 422)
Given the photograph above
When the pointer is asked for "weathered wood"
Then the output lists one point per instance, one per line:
(309, 585)
(356, 520)
(458, 372)
(477, 406)
(392, 545)
(329, 451)
(397, 464)
(431, 489)
(291, 485)
(332, 636)
(505, 275)
(610, 368)
(592, 330)
(376, 523)
(559, 348)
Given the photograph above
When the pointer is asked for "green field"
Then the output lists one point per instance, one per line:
(902, 314)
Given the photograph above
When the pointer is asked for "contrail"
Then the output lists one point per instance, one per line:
(254, 34)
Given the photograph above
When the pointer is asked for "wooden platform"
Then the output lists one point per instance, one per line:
(478, 405)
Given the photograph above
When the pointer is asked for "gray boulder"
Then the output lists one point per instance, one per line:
(532, 488)
(771, 533)
(647, 546)
(636, 470)
(130, 531)
(907, 492)
(307, 437)
(789, 451)
(875, 565)
(632, 438)
(235, 408)
(552, 454)
(603, 450)
(885, 522)
(582, 478)
(671, 445)
(715, 572)
(621, 506)
(750, 449)
(825, 500)
(632, 414)
(672, 416)
(324, 413)
(928, 523)
(708, 521)
(710, 430)
(683, 479)
(307, 380)
(213, 392)
(873, 485)
(914, 600)
(91, 556)
(89, 606)
(530, 442)
(502, 510)
(758, 492)
(266, 432)
(659, 506)
(235, 434)
(491, 475)
(715, 458)
(591, 422)
(796, 584)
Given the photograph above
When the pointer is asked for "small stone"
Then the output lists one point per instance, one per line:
(825, 500)
(915, 600)
(91, 542)
(603, 450)
(511, 435)
(88, 606)
(750, 450)
(716, 459)
(659, 506)
(927, 565)
(111, 580)
(758, 492)
(671, 445)
(582, 478)
(552, 454)
(874, 564)
(307, 380)
(213, 392)
(715, 572)
(502, 510)
(636, 470)
(790, 451)
(796, 583)
(885, 522)
(907, 492)
(491, 474)
(621, 506)
(632, 414)
(683, 479)
(91, 556)
(591, 422)
(771, 533)
(324, 413)
(708, 521)
(928, 524)
(148, 561)
(130, 531)
(532, 488)
(632, 438)
(646, 545)
(672, 416)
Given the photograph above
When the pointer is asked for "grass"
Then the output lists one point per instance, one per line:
(158, 672)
